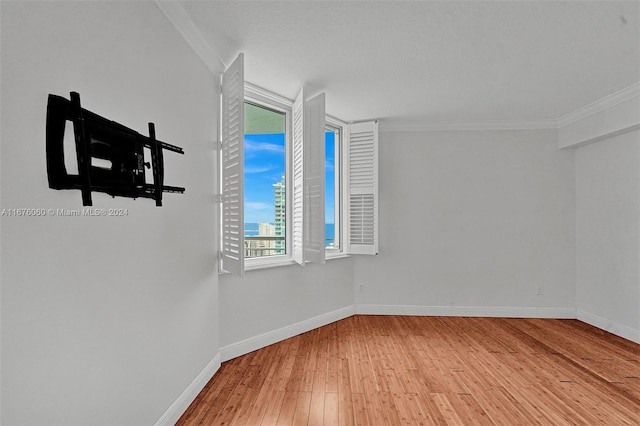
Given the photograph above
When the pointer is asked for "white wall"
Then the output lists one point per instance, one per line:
(472, 223)
(105, 320)
(608, 234)
(271, 304)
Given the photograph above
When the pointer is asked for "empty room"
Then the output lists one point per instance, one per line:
(320, 212)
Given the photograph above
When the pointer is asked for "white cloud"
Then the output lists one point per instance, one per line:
(258, 169)
(256, 205)
(261, 146)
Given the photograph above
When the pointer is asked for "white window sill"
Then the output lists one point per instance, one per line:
(267, 262)
(335, 254)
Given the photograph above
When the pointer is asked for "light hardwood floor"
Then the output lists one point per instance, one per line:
(408, 370)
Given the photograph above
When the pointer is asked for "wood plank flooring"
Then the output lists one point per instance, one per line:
(408, 370)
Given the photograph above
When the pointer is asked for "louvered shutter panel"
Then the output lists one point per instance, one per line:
(297, 210)
(362, 188)
(314, 171)
(232, 167)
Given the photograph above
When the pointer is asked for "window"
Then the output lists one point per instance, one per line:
(268, 178)
(265, 201)
(296, 185)
(333, 143)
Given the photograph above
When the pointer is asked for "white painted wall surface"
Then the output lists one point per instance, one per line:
(608, 234)
(472, 223)
(105, 320)
(284, 298)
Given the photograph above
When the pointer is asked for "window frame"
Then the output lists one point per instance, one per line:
(355, 178)
(265, 98)
(270, 100)
(341, 127)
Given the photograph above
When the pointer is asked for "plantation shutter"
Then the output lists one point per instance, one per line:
(314, 171)
(297, 210)
(362, 188)
(232, 167)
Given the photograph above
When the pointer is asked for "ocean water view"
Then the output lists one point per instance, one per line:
(251, 230)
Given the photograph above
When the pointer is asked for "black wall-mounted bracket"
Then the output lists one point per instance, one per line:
(119, 150)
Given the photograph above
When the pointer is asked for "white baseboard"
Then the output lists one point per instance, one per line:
(180, 405)
(467, 311)
(612, 327)
(249, 345)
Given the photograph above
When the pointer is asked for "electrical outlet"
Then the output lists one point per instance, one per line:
(539, 291)
(361, 288)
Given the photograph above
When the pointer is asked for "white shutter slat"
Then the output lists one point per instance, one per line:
(314, 166)
(362, 188)
(232, 167)
(297, 209)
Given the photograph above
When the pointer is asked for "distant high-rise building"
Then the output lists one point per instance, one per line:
(258, 247)
(266, 230)
(280, 197)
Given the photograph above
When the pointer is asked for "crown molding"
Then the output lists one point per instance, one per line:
(600, 105)
(390, 126)
(185, 26)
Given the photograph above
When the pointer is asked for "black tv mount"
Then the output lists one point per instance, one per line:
(120, 171)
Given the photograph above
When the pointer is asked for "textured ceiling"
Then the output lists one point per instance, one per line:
(432, 62)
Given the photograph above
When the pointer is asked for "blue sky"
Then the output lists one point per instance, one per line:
(264, 165)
